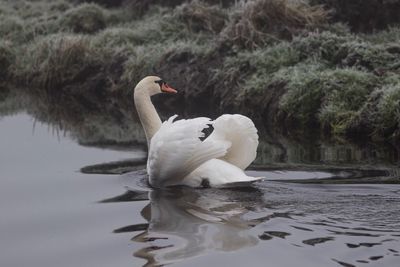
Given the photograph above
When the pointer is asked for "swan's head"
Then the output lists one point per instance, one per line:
(154, 85)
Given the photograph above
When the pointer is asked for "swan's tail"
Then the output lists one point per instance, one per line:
(240, 131)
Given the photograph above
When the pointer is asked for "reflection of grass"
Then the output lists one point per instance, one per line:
(311, 152)
(119, 167)
(276, 60)
(364, 180)
(11, 102)
(92, 124)
(110, 123)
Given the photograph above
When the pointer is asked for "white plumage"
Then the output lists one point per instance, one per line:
(177, 155)
(241, 132)
(176, 150)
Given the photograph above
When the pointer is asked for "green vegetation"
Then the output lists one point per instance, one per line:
(7, 59)
(389, 108)
(85, 18)
(283, 62)
(365, 15)
(259, 22)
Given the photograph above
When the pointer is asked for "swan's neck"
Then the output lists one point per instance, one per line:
(148, 116)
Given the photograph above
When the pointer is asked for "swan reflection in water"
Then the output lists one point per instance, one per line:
(186, 222)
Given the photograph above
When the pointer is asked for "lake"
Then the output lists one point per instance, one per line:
(74, 193)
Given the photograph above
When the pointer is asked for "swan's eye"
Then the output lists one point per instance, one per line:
(160, 82)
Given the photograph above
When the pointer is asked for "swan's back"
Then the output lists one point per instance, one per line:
(176, 150)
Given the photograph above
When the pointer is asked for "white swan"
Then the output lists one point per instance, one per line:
(177, 155)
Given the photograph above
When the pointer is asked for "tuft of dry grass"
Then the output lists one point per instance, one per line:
(382, 111)
(11, 28)
(199, 16)
(261, 21)
(364, 15)
(7, 59)
(389, 109)
(85, 18)
(57, 60)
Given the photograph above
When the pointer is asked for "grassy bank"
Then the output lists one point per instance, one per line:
(290, 65)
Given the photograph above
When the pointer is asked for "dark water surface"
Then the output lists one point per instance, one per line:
(64, 202)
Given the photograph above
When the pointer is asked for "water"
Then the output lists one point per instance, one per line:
(64, 202)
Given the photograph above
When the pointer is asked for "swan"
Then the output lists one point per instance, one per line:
(177, 155)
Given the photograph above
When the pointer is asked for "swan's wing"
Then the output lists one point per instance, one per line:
(240, 131)
(176, 150)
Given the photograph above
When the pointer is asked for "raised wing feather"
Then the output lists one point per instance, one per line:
(176, 150)
(240, 131)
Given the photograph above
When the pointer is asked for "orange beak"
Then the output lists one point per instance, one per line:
(167, 89)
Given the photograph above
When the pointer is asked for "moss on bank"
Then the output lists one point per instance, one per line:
(279, 61)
